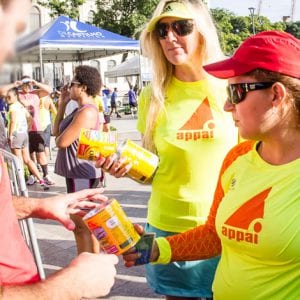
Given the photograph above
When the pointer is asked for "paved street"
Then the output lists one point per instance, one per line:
(57, 245)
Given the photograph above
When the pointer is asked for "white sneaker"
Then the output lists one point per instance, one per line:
(31, 180)
(47, 179)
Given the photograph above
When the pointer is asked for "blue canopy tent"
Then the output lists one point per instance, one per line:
(68, 40)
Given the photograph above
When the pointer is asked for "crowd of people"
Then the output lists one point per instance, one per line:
(29, 125)
(224, 203)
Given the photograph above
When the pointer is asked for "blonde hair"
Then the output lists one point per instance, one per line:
(163, 69)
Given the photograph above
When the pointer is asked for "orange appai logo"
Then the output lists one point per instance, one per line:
(243, 224)
(201, 124)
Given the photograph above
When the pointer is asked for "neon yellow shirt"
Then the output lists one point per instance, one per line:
(258, 223)
(99, 103)
(254, 220)
(21, 125)
(45, 114)
(191, 140)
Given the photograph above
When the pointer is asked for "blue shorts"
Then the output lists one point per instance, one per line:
(181, 279)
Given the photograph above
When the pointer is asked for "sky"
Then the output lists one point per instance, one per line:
(274, 10)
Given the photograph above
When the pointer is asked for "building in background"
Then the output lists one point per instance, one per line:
(57, 74)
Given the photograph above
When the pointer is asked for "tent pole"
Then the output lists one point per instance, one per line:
(41, 65)
(54, 79)
(140, 76)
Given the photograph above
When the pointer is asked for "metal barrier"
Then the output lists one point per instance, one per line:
(18, 187)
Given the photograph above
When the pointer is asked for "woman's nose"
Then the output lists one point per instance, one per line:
(228, 106)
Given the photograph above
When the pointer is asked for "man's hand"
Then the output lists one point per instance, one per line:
(88, 276)
(60, 207)
(95, 272)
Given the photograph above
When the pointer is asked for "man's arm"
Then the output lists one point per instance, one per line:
(59, 207)
(88, 276)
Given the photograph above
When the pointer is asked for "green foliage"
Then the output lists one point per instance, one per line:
(293, 28)
(125, 17)
(68, 8)
(234, 29)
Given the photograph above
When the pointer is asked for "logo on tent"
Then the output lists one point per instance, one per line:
(72, 25)
(72, 31)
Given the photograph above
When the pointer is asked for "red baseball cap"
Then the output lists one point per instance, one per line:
(269, 50)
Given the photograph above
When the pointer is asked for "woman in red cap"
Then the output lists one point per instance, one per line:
(255, 216)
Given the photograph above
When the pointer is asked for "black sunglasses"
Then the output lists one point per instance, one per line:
(180, 27)
(72, 83)
(237, 92)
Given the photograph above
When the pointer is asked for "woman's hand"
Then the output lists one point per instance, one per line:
(114, 166)
(65, 96)
(131, 255)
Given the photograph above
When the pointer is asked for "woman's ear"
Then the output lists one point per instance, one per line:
(279, 91)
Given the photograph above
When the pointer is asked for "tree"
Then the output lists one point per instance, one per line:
(234, 29)
(125, 17)
(68, 8)
(293, 28)
(128, 17)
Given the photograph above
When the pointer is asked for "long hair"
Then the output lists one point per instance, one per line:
(163, 69)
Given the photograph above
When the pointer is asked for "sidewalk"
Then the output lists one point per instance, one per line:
(57, 245)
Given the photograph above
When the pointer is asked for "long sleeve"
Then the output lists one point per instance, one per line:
(202, 241)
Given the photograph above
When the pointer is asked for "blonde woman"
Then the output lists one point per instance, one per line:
(181, 119)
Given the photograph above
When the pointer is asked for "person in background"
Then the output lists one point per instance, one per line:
(30, 98)
(3, 110)
(3, 128)
(106, 125)
(87, 276)
(3, 137)
(79, 174)
(132, 98)
(254, 219)
(181, 119)
(99, 104)
(106, 98)
(47, 111)
(18, 120)
(113, 103)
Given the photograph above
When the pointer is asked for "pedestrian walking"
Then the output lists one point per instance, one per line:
(132, 98)
(113, 103)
